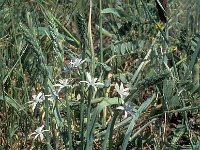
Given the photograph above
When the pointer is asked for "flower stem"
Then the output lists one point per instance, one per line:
(88, 135)
(47, 112)
(68, 120)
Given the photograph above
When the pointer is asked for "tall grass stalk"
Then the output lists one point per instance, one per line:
(47, 121)
(68, 119)
(80, 20)
(100, 33)
(92, 70)
(38, 40)
(82, 130)
(101, 58)
(66, 31)
(91, 40)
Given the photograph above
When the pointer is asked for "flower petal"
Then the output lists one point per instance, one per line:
(95, 80)
(126, 89)
(125, 114)
(57, 85)
(117, 87)
(125, 93)
(95, 88)
(33, 106)
(61, 81)
(84, 82)
(88, 76)
(39, 129)
(32, 133)
(99, 84)
(41, 136)
(121, 87)
(36, 136)
(120, 107)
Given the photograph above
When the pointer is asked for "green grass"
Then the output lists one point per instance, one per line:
(74, 54)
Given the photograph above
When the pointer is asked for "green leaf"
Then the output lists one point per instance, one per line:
(12, 102)
(117, 126)
(107, 83)
(135, 118)
(58, 117)
(178, 133)
(123, 48)
(111, 11)
(106, 67)
(194, 58)
(146, 103)
(129, 131)
(44, 31)
(94, 118)
(168, 89)
(108, 131)
(123, 78)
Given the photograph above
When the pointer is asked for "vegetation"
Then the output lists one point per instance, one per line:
(113, 74)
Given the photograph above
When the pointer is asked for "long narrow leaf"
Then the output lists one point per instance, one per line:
(135, 118)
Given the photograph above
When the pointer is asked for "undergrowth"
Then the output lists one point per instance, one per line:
(99, 74)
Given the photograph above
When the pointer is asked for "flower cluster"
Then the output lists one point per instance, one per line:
(62, 84)
(91, 81)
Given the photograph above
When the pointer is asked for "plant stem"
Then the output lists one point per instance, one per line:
(46, 111)
(68, 120)
(90, 40)
(90, 93)
(101, 55)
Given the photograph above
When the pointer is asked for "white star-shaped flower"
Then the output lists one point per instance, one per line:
(92, 81)
(36, 99)
(53, 96)
(128, 108)
(123, 92)
(67, 69)
(123, 108)
(76, 63)
(39, 132)
(62, 83)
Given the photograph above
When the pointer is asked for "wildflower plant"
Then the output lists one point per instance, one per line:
(52, 96)
(73, 64)
(39, 133)
(76, 63)
(92, 81)
(123, 92)
(36, 99)
(128, 108)
(62, 83)
(36, 49)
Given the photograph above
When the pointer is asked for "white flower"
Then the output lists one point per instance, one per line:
(67, 69)
(52, 96)
(121, 90)
(63, 83)
(37, 99)
(128, 109)
(39, 132)
(76, 63)
(92, 81)
(73, 64)
(123, 108)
